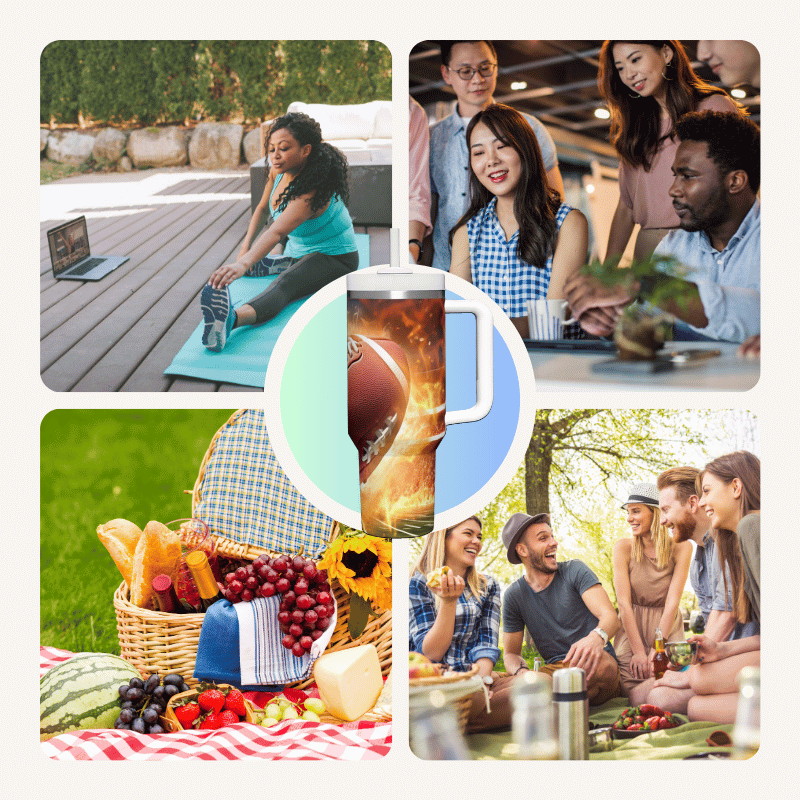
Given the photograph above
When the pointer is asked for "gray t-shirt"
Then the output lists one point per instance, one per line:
(556, 617)
(749, 533)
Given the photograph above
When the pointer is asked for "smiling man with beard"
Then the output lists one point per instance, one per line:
(564, 607)
(715, 194)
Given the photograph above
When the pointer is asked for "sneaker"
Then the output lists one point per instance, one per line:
(269, 266)
(218, 316)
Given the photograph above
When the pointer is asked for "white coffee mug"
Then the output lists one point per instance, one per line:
(547, 318)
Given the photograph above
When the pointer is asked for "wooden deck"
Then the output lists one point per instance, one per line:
(176, 226)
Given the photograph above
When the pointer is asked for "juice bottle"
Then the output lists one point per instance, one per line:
(660, 659)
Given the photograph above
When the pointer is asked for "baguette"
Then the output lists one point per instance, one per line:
(120, 538)
(158, 552)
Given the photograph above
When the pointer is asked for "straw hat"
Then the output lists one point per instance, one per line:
(645, 494)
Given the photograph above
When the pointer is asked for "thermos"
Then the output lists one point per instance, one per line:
(747, 729)
(396, 391)
(532, 722)
(571, 707)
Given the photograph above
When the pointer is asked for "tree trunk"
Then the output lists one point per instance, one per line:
(538, 460)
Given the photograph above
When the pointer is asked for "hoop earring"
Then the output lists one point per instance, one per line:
(634, 96)
(663, 71)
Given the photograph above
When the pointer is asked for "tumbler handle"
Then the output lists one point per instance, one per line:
(484, 368)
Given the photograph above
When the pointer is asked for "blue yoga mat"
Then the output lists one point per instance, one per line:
(246, 355)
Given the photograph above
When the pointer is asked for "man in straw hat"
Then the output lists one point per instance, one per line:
(562, 604)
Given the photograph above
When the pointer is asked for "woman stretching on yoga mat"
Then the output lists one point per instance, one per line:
(306, 194)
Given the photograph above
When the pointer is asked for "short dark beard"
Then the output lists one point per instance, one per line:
(538, 563)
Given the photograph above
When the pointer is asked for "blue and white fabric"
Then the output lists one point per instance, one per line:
(245, 496)
(497, 268)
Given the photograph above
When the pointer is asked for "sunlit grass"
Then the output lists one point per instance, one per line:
(97, 466)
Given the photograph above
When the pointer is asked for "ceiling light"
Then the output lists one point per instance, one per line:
(738, 93)
(602, 113)
(589, 188)
(517, 86)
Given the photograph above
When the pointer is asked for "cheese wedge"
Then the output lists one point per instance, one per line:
(349, 681)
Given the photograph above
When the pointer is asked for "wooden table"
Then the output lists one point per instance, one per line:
(560, 371)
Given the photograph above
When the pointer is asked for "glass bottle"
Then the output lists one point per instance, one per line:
(204, 579)
(532, 723)
(747, 729)
(166, 598)
(435, 735)
(660, 659)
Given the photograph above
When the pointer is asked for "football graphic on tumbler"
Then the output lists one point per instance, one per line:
(377, 396)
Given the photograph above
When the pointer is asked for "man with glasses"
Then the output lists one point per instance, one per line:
(471, 69)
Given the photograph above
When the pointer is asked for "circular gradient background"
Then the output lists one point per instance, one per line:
(308, 424)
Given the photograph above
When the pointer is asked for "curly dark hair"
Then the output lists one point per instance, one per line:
(734, 141)
(636, 121)
(535, 203)
(325, 169)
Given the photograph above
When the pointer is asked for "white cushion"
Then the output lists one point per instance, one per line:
(339, 122)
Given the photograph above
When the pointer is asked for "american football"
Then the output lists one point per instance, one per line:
(377, 396)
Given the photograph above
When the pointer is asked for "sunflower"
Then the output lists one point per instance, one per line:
(363, 565)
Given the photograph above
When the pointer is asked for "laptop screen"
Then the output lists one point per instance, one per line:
(69, 243)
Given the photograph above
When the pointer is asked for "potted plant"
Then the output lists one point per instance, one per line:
(643, 327)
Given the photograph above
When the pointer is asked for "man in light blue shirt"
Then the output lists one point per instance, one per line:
(717, 176)
(470, 68)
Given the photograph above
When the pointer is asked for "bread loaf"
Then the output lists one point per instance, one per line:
(120, 538)
(434, 579)
(158, 552)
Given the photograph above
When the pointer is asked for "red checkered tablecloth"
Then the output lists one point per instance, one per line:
(292, 741)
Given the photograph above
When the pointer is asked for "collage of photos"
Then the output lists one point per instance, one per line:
(549, 418)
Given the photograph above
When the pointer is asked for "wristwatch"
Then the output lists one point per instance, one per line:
(488, 680)
(602, 634)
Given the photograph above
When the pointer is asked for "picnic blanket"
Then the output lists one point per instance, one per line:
(290, 741)
(246, 355)
(675, 743)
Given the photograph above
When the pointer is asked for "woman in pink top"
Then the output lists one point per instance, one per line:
(648, 85)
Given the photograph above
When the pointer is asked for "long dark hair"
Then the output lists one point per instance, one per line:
(325, 170)
(535, 203)
(636, 121)
(747, 468)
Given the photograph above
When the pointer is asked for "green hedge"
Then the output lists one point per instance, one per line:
(149, 82)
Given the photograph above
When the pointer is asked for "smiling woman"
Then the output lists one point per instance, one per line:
(517, 241)
(648, 86)
(454, 616)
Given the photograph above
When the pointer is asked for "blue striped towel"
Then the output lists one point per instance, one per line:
(241, 645)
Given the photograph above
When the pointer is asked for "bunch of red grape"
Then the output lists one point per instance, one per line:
(306, 598)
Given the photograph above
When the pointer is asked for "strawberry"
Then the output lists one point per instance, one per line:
(211, 720)
(211, 700)
(227, 718)
(235, 702)
(187, 714)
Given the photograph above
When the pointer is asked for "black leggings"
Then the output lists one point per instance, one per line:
(306, 276)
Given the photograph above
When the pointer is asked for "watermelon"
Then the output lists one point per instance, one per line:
(82, 693)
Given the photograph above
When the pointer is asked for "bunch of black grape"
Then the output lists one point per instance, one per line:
(143, 702)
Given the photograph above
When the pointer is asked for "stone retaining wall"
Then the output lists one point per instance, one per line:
(210, 145)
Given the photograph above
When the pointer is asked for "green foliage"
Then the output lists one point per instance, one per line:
(529, 652)
(666, 273)
(59, 82)
(148, 82)
(97, 466)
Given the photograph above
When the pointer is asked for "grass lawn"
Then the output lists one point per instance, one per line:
(97, 466)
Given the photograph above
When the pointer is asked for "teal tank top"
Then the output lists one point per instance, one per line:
(331, 232)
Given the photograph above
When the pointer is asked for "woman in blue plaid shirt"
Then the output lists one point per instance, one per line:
(517, 241)
(454, 616)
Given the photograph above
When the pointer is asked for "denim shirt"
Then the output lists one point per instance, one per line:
(700, 574)
(729, 281)
(449, 165)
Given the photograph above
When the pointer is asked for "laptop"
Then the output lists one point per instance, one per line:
(70, 255)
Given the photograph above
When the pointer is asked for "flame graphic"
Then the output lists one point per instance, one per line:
(398, 497)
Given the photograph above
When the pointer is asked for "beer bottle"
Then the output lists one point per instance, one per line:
(660, 659)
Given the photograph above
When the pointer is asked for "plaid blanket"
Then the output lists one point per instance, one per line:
(291, 741)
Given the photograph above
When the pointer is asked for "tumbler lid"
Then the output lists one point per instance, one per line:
(395, 279)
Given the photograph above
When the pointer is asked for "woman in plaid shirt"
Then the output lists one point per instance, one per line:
(456, 621)
(517, 241)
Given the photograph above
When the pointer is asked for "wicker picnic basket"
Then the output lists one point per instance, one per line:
(155, 642)
(449, 684)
